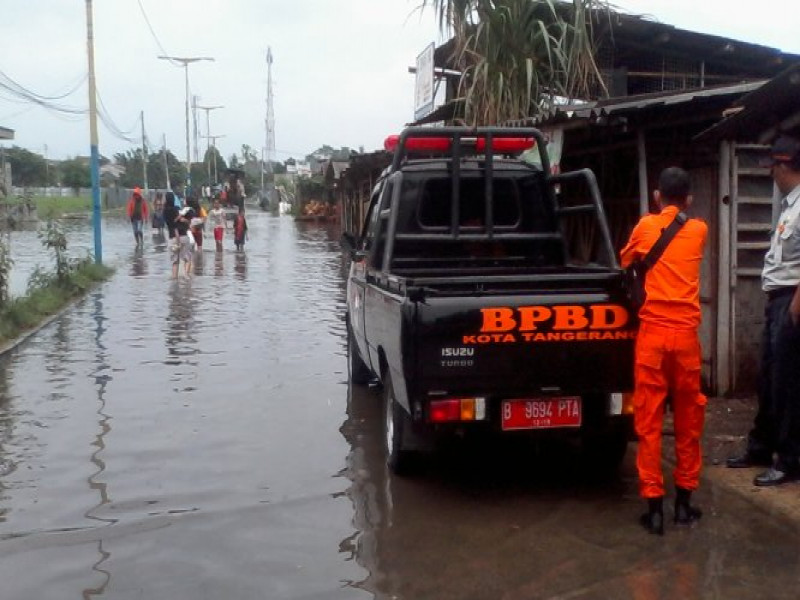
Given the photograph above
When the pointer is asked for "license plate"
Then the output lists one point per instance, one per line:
(541, 413)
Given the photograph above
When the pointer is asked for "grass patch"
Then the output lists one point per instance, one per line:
(54, 206)
(48, 294)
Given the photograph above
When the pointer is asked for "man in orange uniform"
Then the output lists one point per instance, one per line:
(137, 213)
(668, 351)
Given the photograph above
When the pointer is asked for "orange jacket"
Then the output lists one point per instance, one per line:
(673, 284)
(129, 209)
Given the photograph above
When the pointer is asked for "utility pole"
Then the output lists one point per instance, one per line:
(144, 159)
(166, 163)
(208, 109)
(186, 61)
(269, 152)
(93, 137)
(46, 170)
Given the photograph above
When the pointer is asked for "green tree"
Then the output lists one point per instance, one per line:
(326, 151)
(517, 56)
(249, 154)
(75, 174)
(131, 160)
(156, 174)
(134, 173)
(286, 182)
(209, 158)
(28, 169)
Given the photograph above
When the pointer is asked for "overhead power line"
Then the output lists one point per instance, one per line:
(8, 81)
(21, 92)
(112, 127)
(153, 33)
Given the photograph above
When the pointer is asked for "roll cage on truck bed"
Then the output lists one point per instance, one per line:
(463, 264)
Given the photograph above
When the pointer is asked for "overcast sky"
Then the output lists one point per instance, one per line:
(340, 68)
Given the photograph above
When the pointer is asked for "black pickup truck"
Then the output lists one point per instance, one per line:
(471, 300)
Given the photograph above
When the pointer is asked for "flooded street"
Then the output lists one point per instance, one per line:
(197, 439)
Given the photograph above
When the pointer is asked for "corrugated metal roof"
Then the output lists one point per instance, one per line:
(595, 110)
(759, 115)
(592, 111)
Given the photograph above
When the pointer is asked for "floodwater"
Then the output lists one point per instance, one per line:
(197, 439)
(27, 252)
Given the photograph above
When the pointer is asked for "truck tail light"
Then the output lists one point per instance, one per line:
(457, 409)
(443, 411)
(621, 403)
(627, 403)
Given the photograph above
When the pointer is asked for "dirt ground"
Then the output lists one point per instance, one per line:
(728, 421)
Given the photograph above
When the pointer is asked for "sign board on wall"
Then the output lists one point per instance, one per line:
(423, 88)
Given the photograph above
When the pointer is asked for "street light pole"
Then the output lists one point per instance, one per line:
(214, 139)
(208, 109)
(186, 61)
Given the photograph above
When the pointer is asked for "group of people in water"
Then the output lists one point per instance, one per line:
(185, 224)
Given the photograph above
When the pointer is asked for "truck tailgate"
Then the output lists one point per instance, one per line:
(529, 344)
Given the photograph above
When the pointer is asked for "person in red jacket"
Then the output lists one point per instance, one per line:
(137, 212)
(667, 357)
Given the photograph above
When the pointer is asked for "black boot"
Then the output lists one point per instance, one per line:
(653, 519)
(685, 513)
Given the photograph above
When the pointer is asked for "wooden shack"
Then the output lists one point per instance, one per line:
(668, 86)
(354, 187)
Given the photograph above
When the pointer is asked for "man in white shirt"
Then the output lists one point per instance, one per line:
(777, 425)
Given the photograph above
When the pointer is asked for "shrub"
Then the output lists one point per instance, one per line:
(6, 262)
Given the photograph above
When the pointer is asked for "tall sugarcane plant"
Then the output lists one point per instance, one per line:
(517, 57)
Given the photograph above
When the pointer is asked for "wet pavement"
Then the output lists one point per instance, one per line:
(197, 439)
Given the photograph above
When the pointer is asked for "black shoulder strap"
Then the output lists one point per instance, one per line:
(666, 237)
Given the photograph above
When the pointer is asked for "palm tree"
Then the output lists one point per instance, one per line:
(517, 56)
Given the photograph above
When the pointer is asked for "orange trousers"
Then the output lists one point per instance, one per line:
(668, 362)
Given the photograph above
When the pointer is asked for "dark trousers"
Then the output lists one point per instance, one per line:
(777, 423)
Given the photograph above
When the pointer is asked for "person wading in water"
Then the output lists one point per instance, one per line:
(137, 213)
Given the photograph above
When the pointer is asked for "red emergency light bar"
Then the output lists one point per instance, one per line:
(422, 145)
(505, 145)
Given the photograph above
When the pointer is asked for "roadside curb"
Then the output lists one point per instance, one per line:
(779, 501)
(7, 348)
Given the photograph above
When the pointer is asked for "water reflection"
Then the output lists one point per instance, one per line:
(159, 240)
(198, 261)
(219, 268)
(240, 266)
(138, 263)
(179, 333)
(102, 377)
(656, 580)
(7, 465)
(371, 491)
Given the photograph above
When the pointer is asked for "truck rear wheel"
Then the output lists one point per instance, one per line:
(357, 369)
(395, 423)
